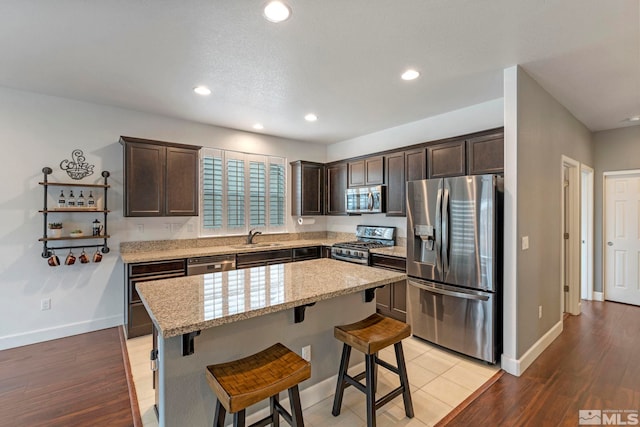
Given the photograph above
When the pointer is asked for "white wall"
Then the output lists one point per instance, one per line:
(475, 118)
(37, 131)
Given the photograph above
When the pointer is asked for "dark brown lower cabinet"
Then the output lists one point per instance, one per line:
(391, 300)
(137, 319)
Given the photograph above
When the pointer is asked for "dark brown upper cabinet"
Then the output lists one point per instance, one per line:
(446, 159)
(401, 167)
(395, 179)
(485, 154)
(336, 186)
(160, 178)
(369, 171)
(307, 188)
(415, 164)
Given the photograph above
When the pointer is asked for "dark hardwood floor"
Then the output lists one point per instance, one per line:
(593, 364)
(74, 381)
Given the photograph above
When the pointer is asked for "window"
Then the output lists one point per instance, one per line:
(242, 191)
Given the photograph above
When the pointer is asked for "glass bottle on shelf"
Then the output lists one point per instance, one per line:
(80, 202)
(62, 201)
(71, 201)
(91, 203)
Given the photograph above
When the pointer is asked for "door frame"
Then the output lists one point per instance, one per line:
(586, 231)
(604, 221)
(573, 268)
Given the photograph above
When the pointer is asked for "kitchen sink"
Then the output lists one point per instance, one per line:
(256, 245)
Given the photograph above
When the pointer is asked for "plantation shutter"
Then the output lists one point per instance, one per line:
(212, 190)
(235, 193)
(257, 193)
(277, 192)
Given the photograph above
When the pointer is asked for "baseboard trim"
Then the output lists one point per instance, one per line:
(598, 296)
(47, 334)
(518, 366)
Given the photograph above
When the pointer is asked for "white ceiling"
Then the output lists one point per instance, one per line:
(338, 58)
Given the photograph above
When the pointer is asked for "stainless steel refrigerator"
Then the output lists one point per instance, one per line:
(454, 262)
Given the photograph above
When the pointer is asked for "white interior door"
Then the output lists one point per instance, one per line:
(622, 238)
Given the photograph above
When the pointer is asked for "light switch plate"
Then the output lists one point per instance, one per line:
(525, 243)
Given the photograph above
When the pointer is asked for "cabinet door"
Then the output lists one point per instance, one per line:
(374, 170)
(399, 300)
(356, 174)
(415, 164)
(485, 154)
(144, 179)
(336, 186)
(395, 170)
(446, 159)
(383, 300)
(181, 182)
(307, 188)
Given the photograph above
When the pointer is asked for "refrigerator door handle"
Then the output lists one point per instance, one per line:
(439, 230)
(445, 232)
(449, 293)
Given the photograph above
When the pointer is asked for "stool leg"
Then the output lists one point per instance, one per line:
(404, 380)
(344, 365)
(275, 415)
(296, 407)
(370, 369)
(218, 418)
(239, 418)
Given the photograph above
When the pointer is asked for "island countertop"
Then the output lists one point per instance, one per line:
(181, 305)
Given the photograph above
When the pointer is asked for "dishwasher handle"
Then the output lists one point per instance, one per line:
(447, 292)
(206, 265)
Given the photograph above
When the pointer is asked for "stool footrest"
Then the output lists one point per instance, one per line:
(387, 366)
(354, 382)
(389, 397)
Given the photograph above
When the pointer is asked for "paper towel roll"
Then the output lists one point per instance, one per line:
(306, 221)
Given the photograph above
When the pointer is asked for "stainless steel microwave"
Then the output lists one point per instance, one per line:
(365, 199)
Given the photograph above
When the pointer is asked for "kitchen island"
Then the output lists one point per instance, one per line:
(218, 317)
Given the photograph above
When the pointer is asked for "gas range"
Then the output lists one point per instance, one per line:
(369, 237)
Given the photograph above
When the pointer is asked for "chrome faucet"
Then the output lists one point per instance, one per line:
(251, 235)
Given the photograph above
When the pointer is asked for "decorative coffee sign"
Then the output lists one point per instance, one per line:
(77, 168)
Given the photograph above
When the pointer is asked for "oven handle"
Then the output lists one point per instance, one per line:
(349, 259)
(448, 293)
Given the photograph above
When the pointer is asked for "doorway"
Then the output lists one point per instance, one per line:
(586, 233)
(570, 271)
(620, 236)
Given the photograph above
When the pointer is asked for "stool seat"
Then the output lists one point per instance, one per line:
(244, 382)
(372, 334)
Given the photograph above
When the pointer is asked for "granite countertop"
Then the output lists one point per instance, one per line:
(397, 251)
(186, 304)
(166, 254)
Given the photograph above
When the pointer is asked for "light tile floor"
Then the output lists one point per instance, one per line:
(439, 380)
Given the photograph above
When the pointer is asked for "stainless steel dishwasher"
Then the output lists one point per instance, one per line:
(210, 264)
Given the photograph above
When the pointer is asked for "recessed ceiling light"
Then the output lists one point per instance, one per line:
(277, 11)
(634, 119)
(202, 90)
(311, 117)
(410, 74)
(258, 126)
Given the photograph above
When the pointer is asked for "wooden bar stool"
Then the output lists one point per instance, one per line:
(244, 382)
(370, 336)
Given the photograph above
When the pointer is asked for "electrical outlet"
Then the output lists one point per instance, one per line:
(539, 312)
(306, 353)
(140, 228)
(45, 304)
(525, 243)
(167, 226)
